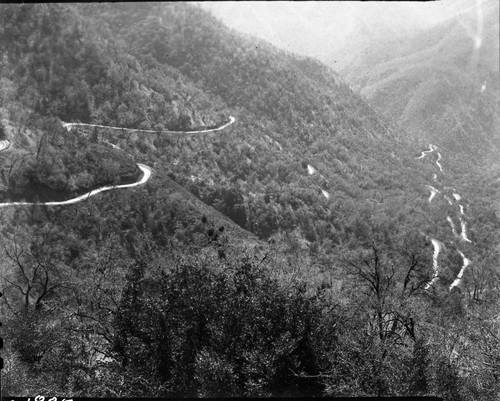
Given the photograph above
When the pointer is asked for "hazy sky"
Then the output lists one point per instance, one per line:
(318, 28)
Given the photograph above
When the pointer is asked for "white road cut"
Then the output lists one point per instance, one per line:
(145, 177)
(4, 144)
(437, 248)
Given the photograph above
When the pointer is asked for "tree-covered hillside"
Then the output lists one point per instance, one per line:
(291, 112)
(286, 254)
(442, 84)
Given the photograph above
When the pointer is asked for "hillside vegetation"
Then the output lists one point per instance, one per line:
(442, 84)
(283, 255)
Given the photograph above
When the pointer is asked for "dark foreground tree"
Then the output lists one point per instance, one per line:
(208, 333)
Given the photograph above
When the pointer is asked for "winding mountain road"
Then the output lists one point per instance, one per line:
(462, 270)
(145, 177)
(439, 164)
(68, 126)
(145, 169)
(453, 229)
(424, 153)
(437, 248)
(463, 235)
(4, 144)
(434, 191)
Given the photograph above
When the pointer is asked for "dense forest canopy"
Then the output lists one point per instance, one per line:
(433, 67)
(287, 254)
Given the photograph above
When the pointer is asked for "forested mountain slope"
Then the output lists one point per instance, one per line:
(442, 84)
(295, 264)
(297, 104)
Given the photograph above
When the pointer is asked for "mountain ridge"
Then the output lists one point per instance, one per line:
(284, 255)
(442, 84)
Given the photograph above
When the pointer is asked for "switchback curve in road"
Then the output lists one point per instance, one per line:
(437, 248)
(145, 177)
(463, 234)
(4, 144)
(462, 270)
(68, 126)
(145, 169)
